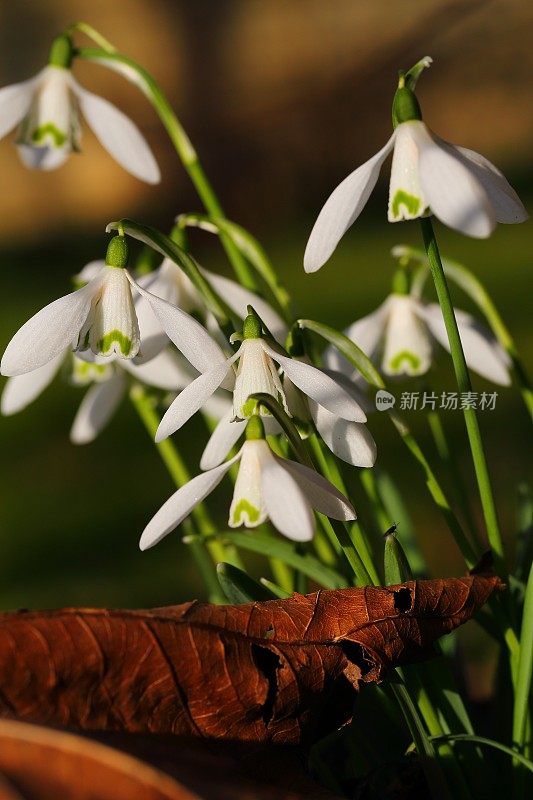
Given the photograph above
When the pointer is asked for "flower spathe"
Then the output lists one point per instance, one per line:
(428, 175)
(267, 487)
(400, 333)
(257, 372)
(47, 108)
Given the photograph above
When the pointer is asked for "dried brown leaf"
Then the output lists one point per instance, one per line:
(274, 671)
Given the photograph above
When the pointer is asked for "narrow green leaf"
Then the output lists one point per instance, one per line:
(525, 667)
(240, 587)
(524, 527)
(397, 511)
(286, 424)
(349, 350)
(482, 740)
(272, 547)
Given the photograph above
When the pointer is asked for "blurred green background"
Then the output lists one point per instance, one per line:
(282, 101)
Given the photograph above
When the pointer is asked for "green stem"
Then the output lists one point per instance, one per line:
(464, 385)
(182, 145)
(206, 554)
(92, 33)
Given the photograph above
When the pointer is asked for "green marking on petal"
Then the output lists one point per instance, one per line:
(49, 129)
(124, 342)
(404, 355)
(409, 201)
(244, 507)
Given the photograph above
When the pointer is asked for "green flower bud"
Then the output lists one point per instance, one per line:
(397, 569)
(405, 106)
(255, 428)
(61, 52)
(117, 252)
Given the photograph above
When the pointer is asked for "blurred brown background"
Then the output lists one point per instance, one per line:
(282, 100)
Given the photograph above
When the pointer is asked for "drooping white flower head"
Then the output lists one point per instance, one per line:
(257, 372)
(47, 107)
(267, 487)
(400, 334)
(350, 441)
(99, 317)
(428, 176)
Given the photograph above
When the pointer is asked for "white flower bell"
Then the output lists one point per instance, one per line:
(460, 187)
(267, 487)
(399, 335)
(257, 372)
(47, 108)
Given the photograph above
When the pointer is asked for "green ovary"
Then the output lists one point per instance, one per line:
(404, 355)
(249, 408)
(409, 201)
(40, 134)
(245, 507)
(124, 342)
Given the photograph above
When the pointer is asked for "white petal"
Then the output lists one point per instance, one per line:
(46, 158)
(286, 503)
(366, 333)
(238, 299)
(342, 209)
(482, 351)
(317, 385)
(407, 348)
(168, 370)
(15, 101)
(406, 198)
(188, 335)
(256, 373)
(22, 390)
(503, 198)
(322, 495)
(354, 385)
(96, 409)
(191, 399)
(453, 191)
(181, 503)
(248, 505)
(224, 437)
(350, 441)
(90, 271)
(119, 135)
(47, 333)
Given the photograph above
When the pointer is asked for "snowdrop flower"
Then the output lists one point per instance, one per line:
(428, 176)
(99, 317)
(257, 372)
(400, 333)
(350, 441)
(267, 487)
(170, 283)
(47, 108)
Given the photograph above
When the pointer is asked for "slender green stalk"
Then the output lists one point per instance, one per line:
(92, 33)
(206, 554)
(464, 385)
(182, 145)
(524, 672)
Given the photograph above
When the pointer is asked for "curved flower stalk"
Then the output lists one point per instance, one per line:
(350, 441)
(47, 108)
(428, 176)
(267, 487)
(399, 336)
(108, 379)
(256, 373)
(170, 283)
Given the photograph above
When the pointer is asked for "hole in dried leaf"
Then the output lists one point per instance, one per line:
(357, 655)
(403, 600)
(267, 663)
